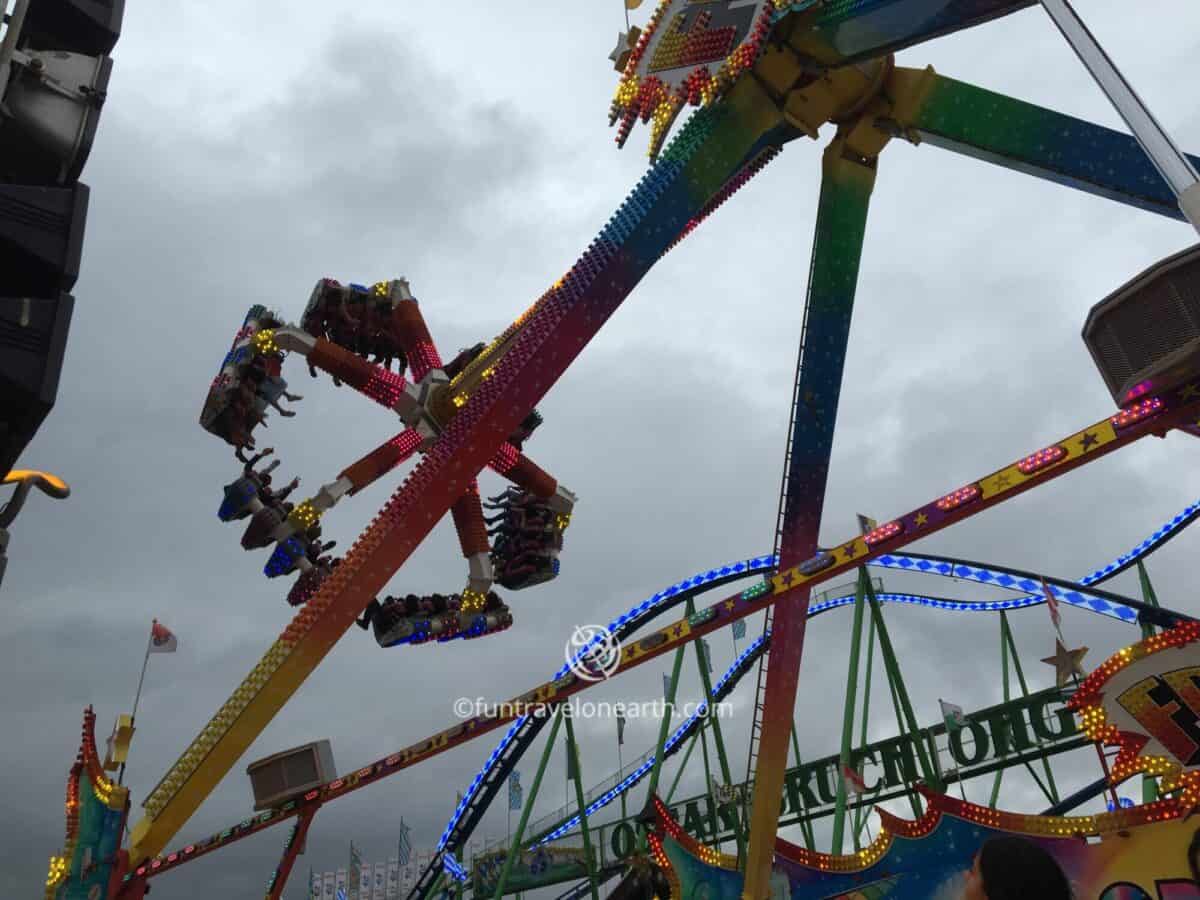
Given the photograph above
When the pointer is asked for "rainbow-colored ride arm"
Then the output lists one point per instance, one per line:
(837, 251)
(714, 145)
(1036, 141)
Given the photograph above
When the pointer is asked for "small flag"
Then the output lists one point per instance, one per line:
(405, 848)
(620, 729)
(514, 790)
(666, 685)
(854, 781)
(952, 715)
(739, 629)
(1052, 605)
(707, 651)
(866, 524)
(632, 4)
(161, 639)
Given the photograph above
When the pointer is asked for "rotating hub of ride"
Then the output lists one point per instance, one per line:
(342, 326)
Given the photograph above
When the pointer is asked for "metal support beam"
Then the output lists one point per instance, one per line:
(848, 709)
(664, 727)
(892, 665)
(1149, 783)
(291, 849)
(1174, 167)
(847, 182)
(514, 848)
(861, 811)
(687, 754)
(715, 721)
(1050, 789)
(589, 861)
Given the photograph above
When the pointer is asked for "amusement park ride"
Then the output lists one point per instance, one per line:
(764, 73)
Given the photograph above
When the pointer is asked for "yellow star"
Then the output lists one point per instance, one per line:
(729, 605)
(1067, 663)
(922, 519)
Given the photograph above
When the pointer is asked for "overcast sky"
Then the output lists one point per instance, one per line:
(247, 150)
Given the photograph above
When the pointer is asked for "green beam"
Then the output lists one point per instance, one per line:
(893, 669)
(514, 848)
(908, 788)
(708, 782)
(848, 709)
(1149, 785)
(715, 720)
(573, 749)
(806, 832)
(1004, 669)
(861, 811)
(682, 766)
(1052, 792)
(665, 726)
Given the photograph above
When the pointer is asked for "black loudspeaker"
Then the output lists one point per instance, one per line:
(33, 338)
(1145, 337)
(41, 238)
(90, 27)
(290, 774)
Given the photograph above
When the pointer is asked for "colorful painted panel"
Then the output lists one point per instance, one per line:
(1126, 855)
(95, 809)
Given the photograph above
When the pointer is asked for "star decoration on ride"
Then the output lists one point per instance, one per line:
(626, 42)
(342, 326)
(1088, 441)
(1067, 664)
(922, 519)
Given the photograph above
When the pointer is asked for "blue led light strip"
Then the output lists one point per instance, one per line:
(925, 564)
(644, 769)
(621, 626)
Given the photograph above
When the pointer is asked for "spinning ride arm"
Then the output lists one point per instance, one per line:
(714, 145)
(1036, 141)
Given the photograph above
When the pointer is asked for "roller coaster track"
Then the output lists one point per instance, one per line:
(1156, 416)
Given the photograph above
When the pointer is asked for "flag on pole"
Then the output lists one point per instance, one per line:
(314, 881)
(707, 651)
(1052, 605)
(620, 729)
(514, 790)
(739, 629)
(854, 781)
(952, 715)
(161, 638)
(405, 847)
(866, 524)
